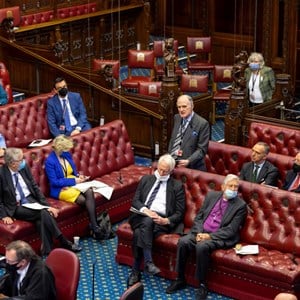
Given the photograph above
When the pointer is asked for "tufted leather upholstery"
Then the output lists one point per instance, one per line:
(281, 140)
(25, 121)
(105, 153)
(273, 223)
(224, 159)
(5, 82)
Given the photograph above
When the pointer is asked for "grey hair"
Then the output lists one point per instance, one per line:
(256, 56)
(265, 145)
(187, 97)
(169, 160)
(230, 177)
(12, 154)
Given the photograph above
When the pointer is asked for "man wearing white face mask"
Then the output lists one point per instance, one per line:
(260, 80)
(160, 203)
(17, 187)
(216, 226)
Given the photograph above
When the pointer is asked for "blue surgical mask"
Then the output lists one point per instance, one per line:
(229, 194)
(22, 165)
(254, 66)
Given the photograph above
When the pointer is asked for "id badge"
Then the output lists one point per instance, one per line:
(62, 128)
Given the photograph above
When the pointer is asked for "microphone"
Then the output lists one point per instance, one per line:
(93, 279)
(120, 179)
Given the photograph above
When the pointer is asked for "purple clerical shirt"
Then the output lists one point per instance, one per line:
(213, 221)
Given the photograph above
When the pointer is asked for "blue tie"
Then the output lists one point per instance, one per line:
(23, 199)
(66, 116)
(153, 195)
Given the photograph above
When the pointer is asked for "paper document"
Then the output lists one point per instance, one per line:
(134, 210)
(39, 142)
(35, 205)
(247, 249)
(97, 186)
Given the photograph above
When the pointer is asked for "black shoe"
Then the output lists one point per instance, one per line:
(134, 277)
(72, 247)
(201, 293)
(151, 269)
(176, 285)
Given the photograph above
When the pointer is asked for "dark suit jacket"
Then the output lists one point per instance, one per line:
(290, 176)
(38, 283)
(268, 173)
(195, 141)
(231, 222)
(8, 202)
(55, 114)
(175, 206)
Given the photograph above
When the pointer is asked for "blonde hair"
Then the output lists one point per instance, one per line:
(62, 143)
(256, 56)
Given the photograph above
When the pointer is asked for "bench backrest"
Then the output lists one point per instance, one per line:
(224, 159)
(25, 121)
(282, 140)
(98, 151)
(273, 220)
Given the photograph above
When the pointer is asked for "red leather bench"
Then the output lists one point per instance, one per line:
(224, 159)
(282, 140)
(22, 122)
(105, 153)
(273, 224)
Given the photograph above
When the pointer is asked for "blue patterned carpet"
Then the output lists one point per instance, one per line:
(110, 277)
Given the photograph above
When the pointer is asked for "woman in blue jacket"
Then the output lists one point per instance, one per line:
(63, 176)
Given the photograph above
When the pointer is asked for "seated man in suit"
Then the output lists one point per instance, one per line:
(66, 113)
(292, 180)
(189, 140)
(216, 226)
(259, 170)
(27, 276)
(17, 187)
(160, 203)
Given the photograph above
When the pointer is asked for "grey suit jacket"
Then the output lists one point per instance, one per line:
(268, 173)
(233, 219)
(8, 202)
(195, 141)
(175, 206)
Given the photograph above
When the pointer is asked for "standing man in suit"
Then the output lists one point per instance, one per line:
(66, 113)
(292, 180)
(27, 276)
(259, 170)
(216, 226)
(17, 187)
(189, 140)
(160, 203)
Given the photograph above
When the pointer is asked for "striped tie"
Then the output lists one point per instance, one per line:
(23, 199)
(256, 167)
(153, 195)
(178, 139)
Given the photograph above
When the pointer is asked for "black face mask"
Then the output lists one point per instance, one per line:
(63, 92)
(11, 268)
(296, 168)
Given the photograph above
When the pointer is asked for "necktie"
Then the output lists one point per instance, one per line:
(153, 195)
(178, 139)
(295, 183)
(23, 199)
(66, 116)
(256, 167)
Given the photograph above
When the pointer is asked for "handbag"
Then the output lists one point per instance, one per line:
(105, 232)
